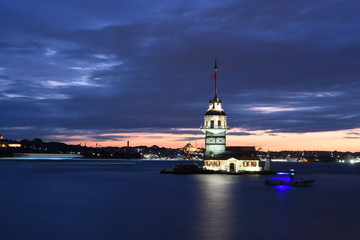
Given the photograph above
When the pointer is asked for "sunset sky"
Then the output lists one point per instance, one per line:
(107, 72)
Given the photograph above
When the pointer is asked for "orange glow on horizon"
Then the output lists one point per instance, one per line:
(318, 141)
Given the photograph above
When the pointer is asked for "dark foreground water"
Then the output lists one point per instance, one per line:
(89, 199)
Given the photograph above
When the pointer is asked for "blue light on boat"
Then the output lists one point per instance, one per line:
(282, 179)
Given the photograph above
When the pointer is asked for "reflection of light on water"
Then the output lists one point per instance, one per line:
(67, 163)
(44, 156)
(282, 187)
(217, 207)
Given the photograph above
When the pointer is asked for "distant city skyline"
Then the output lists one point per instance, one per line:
(107, 72)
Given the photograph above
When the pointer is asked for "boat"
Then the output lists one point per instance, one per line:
(187, 168)
(288, 179)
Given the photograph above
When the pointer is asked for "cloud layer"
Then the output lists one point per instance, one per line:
(69, 67)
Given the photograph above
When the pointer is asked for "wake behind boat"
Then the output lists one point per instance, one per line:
(288, 179)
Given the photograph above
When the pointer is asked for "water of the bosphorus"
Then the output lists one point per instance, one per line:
(129, 199)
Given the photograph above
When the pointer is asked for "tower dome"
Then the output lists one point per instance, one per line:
(215, 107)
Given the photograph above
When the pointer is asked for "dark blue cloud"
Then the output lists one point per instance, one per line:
(107, 66)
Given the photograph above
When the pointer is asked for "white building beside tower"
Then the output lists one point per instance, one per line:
(218, 156)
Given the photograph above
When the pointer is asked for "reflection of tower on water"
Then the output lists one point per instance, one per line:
(217, 215)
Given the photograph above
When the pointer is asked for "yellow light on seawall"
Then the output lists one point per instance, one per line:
(14, 145)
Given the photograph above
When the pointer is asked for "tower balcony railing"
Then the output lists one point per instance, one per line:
(214, 127)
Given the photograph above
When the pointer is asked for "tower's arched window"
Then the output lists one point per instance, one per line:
(219, 124)
(212, 124)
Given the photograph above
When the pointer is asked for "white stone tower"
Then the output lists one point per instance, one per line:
(215, 125)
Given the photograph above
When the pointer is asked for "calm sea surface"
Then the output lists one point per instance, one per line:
(124, 199)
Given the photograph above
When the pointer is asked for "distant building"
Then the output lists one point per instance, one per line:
(190, 148)
(217, 155)
(7, 143)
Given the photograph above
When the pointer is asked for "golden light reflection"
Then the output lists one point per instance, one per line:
(216, 216)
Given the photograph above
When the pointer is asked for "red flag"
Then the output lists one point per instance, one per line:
(213, 77)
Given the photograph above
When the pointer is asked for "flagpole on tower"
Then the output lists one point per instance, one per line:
(215, 69)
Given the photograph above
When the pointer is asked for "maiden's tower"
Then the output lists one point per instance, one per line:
(218, 156)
